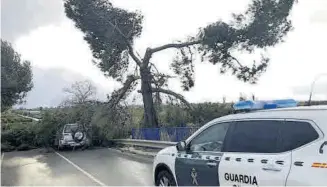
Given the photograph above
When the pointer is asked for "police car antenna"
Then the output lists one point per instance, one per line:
(313, 84)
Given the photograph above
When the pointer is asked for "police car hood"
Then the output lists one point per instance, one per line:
(168, 150)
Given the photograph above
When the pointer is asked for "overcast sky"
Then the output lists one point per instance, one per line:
(40, 31)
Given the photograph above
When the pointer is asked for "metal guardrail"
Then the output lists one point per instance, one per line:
(145, 143)
(170, 134)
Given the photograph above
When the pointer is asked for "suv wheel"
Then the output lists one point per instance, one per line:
(165, 178)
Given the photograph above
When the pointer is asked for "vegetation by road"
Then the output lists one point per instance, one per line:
(16, 77)
(21, 133)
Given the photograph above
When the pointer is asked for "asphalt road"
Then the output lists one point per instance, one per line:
(98, 167)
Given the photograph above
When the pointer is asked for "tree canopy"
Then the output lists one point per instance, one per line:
(111, 31)
(16, 77)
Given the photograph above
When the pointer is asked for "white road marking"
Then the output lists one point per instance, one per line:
(81, 170)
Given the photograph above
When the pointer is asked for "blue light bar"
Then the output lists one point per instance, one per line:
(259, 105)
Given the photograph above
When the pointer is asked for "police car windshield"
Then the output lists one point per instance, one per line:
(70, 128)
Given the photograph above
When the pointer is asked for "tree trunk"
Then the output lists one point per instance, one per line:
(150, 116)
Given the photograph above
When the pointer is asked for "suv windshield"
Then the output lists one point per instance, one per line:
(70, 128)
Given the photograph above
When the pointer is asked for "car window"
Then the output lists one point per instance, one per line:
(257, 136)
(295, 134)
(70, 128)
(211, 139)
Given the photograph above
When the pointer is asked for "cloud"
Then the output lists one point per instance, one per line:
(18, 17)
(49, 84)
(319, 90)
(319, 15)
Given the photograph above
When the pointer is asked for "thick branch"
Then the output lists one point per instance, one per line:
(176, 95)
(119, 94)
(177, 45)
(132, 54)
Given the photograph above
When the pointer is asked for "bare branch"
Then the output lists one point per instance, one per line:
(238, 62)
(154, 66)
(80, 92)
(177, 45)
(164, 75)
(176, 95)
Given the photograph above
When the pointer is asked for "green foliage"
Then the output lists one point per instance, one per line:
(173, 116)
(6, 147)
(263, 25)
(16, 77)
(17, 134)
(210, 111)
(7, 118)
(98, 19)
(105, 123)
(30, 113)
(112, 122)
(136, 114)
(49, 126)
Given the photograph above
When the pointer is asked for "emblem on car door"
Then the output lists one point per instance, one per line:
(194, 176)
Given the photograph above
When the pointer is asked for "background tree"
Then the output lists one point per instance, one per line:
(80, 92)
(111, 31)
(16, 77)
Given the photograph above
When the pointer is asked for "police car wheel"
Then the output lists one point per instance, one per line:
(164, 178)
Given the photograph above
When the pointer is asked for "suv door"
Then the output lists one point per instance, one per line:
(252, 155)
(306, 141)
(198, 165)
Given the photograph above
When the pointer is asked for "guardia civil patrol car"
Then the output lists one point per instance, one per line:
(275, 144)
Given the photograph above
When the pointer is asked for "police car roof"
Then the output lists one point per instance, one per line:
(315, 113)
(316, 107)
(301, 112)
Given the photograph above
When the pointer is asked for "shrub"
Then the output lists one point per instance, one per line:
(19, 133)
(24, 147)
(6, 147)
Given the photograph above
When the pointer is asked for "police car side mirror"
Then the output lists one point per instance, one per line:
(181, 146)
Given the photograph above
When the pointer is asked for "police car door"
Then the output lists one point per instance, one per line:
(198, 164)
(252, 155)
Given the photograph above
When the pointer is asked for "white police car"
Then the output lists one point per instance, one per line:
(286, 146)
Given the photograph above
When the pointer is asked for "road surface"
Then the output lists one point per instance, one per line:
(98, 167)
